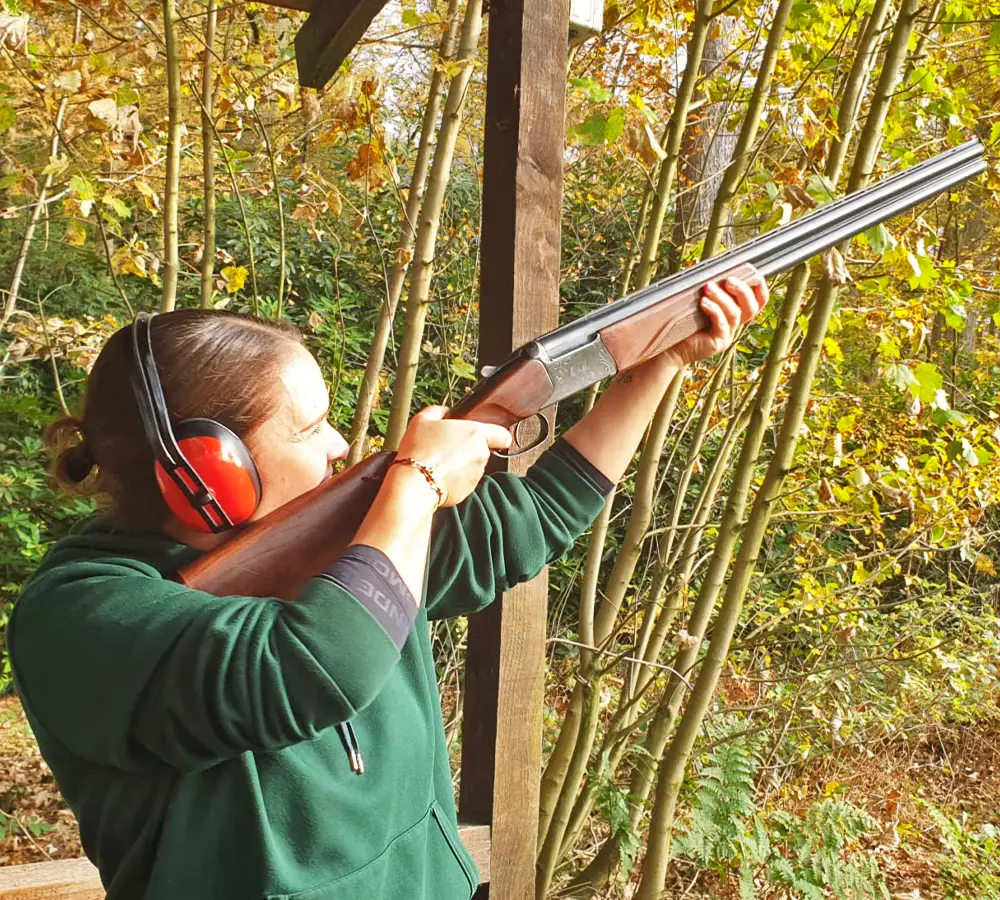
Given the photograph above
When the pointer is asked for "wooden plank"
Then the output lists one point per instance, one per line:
(329, 35)
(522, 211)
(477, 841)
(64, 879)
(77, 879)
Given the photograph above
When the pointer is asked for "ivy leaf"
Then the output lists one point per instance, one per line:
(233, 278)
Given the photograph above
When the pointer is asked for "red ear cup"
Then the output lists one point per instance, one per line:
(225, 465)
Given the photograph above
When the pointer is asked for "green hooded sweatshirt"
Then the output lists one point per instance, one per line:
(200, 740)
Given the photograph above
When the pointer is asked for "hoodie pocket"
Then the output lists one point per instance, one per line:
(425, 862)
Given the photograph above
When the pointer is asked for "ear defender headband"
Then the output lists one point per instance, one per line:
(204, 471)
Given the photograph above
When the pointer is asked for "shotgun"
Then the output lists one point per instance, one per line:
(275, 556)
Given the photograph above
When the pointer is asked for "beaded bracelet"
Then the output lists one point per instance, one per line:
(425, 470)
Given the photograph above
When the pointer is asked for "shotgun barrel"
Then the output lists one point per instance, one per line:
(275, 556)
(581, 352)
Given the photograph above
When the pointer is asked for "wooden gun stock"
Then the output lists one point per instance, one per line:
(277, 555)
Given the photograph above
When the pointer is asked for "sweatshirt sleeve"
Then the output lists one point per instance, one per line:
(509, 529)
(151, 672)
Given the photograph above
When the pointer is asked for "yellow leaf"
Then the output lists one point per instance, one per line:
(985, 565)
(76, 233)
(124, 261)
(233, 278)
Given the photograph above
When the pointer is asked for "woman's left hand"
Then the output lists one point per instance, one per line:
(728, 304)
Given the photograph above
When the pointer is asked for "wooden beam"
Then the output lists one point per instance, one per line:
(64, 879)
(329, 35)
(303, 5)
(77, 879)
(522, 212)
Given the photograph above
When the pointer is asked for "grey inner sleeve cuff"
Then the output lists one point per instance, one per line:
(566, 451)
(369, 575)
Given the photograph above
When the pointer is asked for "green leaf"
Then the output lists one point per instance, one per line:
(955, 316)
(126, 96)
(57, 165)
(9, 179)
(821, 189)
(928, 381)
(411, 18)
(592, 89)
(995, 131)
(590, 131)
(120, 208)
(599, 129)
(7, 117)
(900, 376)
(463, 369)
(879, 239)
(83, 189)
(942, 416)
(616, 125)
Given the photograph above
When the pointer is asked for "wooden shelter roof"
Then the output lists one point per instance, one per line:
(331, 32)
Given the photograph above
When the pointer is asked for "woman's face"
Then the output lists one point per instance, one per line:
(295, 449)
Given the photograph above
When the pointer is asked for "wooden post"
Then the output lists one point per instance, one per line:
(522, 211)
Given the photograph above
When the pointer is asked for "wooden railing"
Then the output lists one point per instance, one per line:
(77, 879)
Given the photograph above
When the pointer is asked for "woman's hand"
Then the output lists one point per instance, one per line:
(728, 305)
(457, 450)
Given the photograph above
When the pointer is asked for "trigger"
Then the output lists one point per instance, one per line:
(543, 435)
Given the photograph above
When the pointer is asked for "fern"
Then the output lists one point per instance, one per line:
(811, 857)
(814, 857)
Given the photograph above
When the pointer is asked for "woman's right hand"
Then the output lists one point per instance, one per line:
(456, 449)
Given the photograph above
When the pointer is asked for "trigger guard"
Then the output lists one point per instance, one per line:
(542, 437)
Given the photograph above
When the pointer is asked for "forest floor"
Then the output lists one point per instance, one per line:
(957, 770)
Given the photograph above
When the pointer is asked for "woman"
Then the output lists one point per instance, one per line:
(202, 741)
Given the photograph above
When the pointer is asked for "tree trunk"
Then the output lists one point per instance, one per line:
(368, 392)
(706, 150)
(558, 762)
(736, 170)
(208, 147)
(29, 232)
(675, 762)
(618, 582)
(171, 190)
(608, 857)
(700, 27)
(427, 227)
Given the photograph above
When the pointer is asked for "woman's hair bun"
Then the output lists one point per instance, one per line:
(74, 460)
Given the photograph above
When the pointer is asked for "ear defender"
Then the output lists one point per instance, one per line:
(205, 473)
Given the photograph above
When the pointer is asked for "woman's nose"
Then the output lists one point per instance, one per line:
(337, 447)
